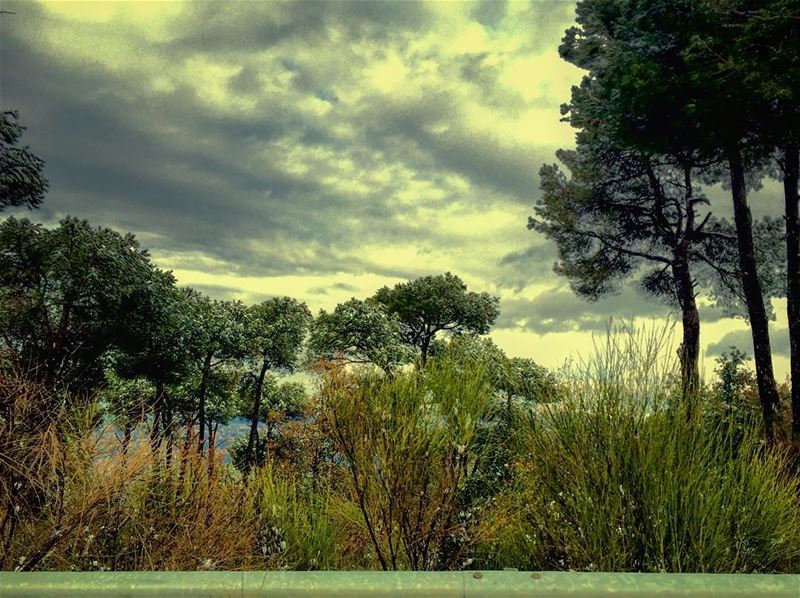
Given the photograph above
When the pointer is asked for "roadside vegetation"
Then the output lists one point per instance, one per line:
(410, 440)
(608, 468)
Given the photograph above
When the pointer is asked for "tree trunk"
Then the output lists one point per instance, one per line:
(211, 448)
(185, 449)
(690, 346)
(791, 175)
(169, 432)
(155, 435)
(426, 343)
(127, 433)
(759, 326)
(212, 444)
(201, 399)
(684, 289)
(252, 442)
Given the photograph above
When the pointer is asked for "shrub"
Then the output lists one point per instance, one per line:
(623, 476)
(71, 499)
(409, 444)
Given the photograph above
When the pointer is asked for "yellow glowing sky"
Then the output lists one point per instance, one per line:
(318, 151)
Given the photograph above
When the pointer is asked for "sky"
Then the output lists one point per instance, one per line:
(323, 150)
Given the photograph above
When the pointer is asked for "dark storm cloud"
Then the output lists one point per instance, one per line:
(337, 286)
(485, 161)
(560, 310)
(743, 340)
(225, 27)
(489, 12)
(110, 157)
(531, 265)
(191, 178)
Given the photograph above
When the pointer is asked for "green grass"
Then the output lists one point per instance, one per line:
(625, 475)
(420, 470)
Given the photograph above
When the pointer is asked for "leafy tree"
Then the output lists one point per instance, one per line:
(159, 347)
(219, 337)
(470, 350)
(280, 401)
(68, 295)
(618, 214)
(763, 55)
(623, 213)
(21, 179)
(275, 332)
(222, 401)
(432, 304)
(128, 401)
(531, 382)
(358, 331)
(661, 81)
(511, 377)
(735, 395)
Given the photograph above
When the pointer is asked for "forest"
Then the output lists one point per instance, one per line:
(146, 425)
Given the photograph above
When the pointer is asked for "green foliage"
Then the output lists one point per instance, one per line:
(512, 377)
(159, 344)
(358, 331)
(69, 294)
(725, 285)
(219, 329)
(127, 400)
(409, 445)
(21, 179)
(275, 331)
(734, 397)
(431, 304)
(223, 401)
(646, 108)
(678, 78)
(280, 401)
(294, 529)
(619, 477)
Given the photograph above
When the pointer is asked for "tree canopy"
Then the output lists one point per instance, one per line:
(359, 331)
(667, 77)
(21, 180)
(69, 294)
(431, 304)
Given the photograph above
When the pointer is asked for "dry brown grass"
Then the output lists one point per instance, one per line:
(70, 499)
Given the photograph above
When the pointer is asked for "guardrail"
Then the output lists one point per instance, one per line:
(452, 584)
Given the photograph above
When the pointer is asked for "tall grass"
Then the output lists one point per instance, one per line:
(409, 445)
(71, 500)
(626, 475)
(422, 469)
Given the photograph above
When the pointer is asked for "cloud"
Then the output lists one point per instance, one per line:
(224, 133)
(313, 148)
(560, 310)
(743, 340)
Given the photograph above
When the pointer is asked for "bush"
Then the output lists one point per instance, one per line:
(623, 476)
(71, 500)
(409, 446)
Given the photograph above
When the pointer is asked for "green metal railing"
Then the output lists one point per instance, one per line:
(455, 584)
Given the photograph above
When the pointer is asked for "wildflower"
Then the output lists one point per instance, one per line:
(207, 565)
